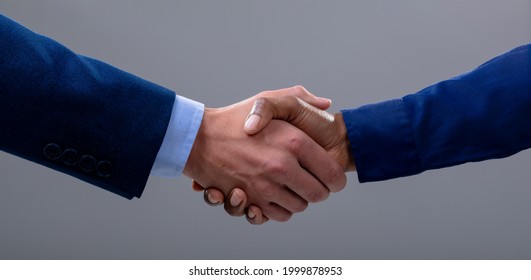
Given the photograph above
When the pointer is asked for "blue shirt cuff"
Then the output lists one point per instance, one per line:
(180, 135)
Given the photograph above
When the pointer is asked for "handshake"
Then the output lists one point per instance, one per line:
(271, 155)
(268, 156)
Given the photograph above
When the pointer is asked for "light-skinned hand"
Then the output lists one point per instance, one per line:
(278, 170)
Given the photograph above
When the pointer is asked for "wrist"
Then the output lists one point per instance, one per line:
(345, 157)
(194, 162)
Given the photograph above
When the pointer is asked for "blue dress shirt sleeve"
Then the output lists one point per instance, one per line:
(480, 115)
(182, 129)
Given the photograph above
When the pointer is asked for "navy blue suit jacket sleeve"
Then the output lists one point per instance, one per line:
(78, 115)
(482, 114)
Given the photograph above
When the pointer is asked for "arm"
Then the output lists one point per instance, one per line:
(78, 115)
(90, 120)
(480, 115)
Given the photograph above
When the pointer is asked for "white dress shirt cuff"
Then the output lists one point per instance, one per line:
(180, 135)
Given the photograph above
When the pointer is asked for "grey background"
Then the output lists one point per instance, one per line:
(219, 52)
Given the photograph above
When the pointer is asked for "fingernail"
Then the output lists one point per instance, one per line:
(251, 214)
(212, 199)
(329, 101)
(251, 124)
(235, 200)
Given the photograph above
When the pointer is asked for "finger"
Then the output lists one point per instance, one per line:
(255, 216)
(197, 187)
(302, 93)
(319, 102)
(305, 185)
(293, 110)
(306, 166)
(276, 212)
(314, 123)
(291, 201)
(236, 202)
(316, 160)
(213, 197)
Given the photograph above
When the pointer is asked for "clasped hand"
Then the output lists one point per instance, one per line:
(271, 155)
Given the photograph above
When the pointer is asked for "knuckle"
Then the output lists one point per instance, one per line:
(264, 93)
(295, 144)
(299, 90)
(278, 168)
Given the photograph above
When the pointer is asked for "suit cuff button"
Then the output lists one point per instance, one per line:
(52, 151)
(87, 163)
(70, 157)
(105, 169)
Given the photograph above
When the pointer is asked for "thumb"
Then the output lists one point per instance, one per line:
(314, 122)
(300, 92)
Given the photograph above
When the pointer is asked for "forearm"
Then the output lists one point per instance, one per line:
(480, 115)
(51, 95)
